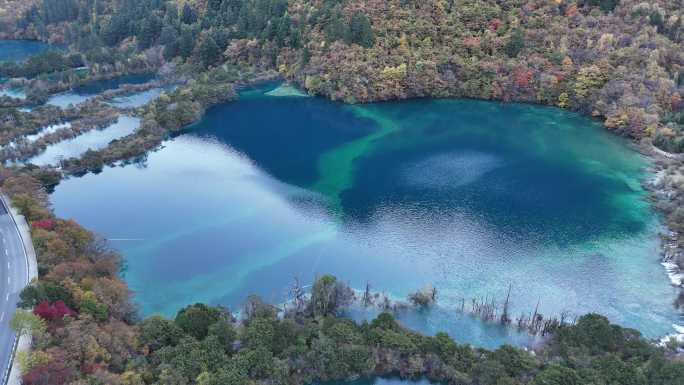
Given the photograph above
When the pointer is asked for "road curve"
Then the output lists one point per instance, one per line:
(14, 276)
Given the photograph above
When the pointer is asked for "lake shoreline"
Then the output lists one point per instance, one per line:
(663, 195)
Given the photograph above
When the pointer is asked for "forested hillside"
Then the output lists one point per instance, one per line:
(620, 61)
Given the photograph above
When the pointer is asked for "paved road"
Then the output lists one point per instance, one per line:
(13, 278)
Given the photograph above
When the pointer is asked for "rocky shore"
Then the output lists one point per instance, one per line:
(667, 192)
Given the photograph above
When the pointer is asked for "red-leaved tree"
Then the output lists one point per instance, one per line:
(494, 24)
(50, 311)
(45, 224)
(522, 77)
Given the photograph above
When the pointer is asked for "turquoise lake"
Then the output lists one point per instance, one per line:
(16, 50)
(469, 196)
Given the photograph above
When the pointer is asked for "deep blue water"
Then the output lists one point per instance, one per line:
(469, 196)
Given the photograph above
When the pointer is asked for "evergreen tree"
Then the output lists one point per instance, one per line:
(116, 30)
(187, 42)
(170, 40)
(168, 35)
(188, 16)
(221, 36)
(214, 5)
(149, 31)
(306, 55)
(55, 11)
(361, 32)
(605, 5)
(171, 50)
(515, 43)
(209, 52)
(336, 29)
(282, 30)
(656, 20)
(171, 15)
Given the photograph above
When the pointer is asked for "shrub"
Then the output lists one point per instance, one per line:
(196, 319)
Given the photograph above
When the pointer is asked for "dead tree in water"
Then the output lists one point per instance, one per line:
(522, 322)
(505, 319)
(386, 303)
(553, 324)
(298, 296)
(366, 299)
(536, 324)
(485, 308)
(533, 323)
(536, 318)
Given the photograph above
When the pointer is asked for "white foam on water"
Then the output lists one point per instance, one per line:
(678, 336)
(673, 272)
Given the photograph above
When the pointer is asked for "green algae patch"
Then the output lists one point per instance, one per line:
(336, 167)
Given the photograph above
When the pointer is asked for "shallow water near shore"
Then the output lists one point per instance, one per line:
(49, 129)
(16, 93)
(91, 140)
(470, 196)
(83, 93)
(137, 99)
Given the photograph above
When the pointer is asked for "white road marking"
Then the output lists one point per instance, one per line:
(2, 317)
